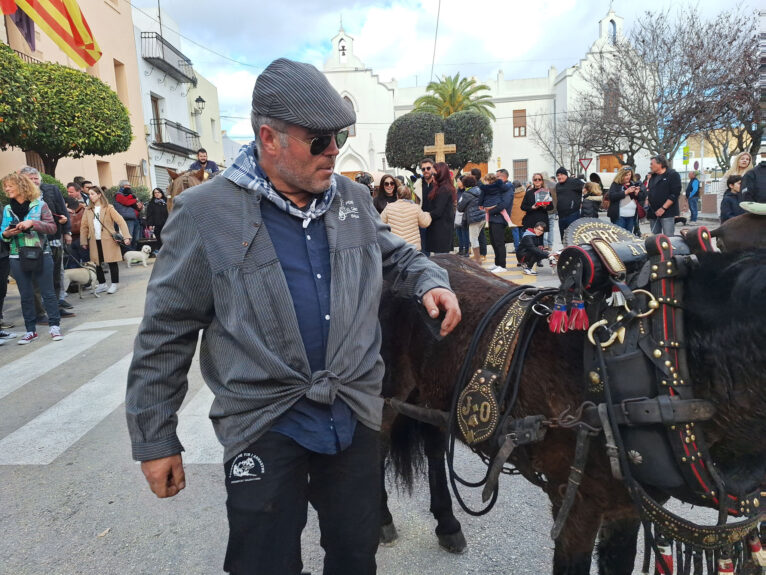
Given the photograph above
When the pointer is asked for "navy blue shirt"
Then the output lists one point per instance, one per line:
(304, 255)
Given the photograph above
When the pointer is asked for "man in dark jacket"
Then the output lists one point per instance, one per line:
(129, 207)
(531, 252)
(203, 163)
(52, 196)
(568, 199)
(664, 191)
(754, 181)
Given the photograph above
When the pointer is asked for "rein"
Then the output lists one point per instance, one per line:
(628, 297)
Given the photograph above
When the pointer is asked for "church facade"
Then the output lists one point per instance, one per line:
(520, 104)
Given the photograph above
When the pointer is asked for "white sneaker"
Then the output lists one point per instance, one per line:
(528, 271)
(56, 333)
(6, 335)
(29, 337)
(498, 270)
(100, 288)
(112, 288)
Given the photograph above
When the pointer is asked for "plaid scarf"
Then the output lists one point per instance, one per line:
(246, 173)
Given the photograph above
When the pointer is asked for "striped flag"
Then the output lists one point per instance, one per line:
(63, 22)
(7, 6)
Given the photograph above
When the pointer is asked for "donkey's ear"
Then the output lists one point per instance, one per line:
(172, 174)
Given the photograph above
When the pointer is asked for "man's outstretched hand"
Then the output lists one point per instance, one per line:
(165, 476)
(443, 299)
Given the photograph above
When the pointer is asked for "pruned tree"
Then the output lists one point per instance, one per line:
(562, 138)
(471, 132)
(408, 135)
(668, 79)
(17, 109)
(72, 114)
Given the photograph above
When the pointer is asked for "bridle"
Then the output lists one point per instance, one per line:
(628, 297)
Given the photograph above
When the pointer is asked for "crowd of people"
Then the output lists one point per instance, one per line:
(44, 233)
(476, 208)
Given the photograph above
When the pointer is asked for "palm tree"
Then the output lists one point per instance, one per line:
(455, 94)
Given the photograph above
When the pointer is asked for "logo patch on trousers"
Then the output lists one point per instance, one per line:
(246, 467)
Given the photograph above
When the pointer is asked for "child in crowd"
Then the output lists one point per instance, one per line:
(530, 250)
(492, 191)
(592, 196)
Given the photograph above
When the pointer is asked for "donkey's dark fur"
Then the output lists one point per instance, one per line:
(726, 336)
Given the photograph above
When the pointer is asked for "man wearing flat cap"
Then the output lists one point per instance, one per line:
(280, 262)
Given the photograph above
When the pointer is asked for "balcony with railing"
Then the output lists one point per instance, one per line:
(166, 57)
(174, 137)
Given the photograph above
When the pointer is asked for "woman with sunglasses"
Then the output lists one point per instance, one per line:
(536, 204)
(385, 193)
(441, 205)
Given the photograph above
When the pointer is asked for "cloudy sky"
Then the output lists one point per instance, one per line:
(395, 38)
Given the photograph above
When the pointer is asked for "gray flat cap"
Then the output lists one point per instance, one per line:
(299, 94)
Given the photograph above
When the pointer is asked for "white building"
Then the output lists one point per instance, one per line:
(166, 77)
(517, 102)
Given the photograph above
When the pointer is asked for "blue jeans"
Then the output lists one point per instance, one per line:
(627, 223)
(463, 242)
(564, 222)
(516, 231)
(694, 207)
(26, 284)
(134, 227)
(665, 226)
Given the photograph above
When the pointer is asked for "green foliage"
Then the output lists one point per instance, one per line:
(59, 112)
(407, 137)
(16, 108)
(46, 179)
(471, 132)
(455, 94)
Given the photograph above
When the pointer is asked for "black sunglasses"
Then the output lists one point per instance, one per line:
(388, 183)
(319, 144)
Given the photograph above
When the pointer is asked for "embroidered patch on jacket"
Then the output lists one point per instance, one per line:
(348, 210)
(246, 467)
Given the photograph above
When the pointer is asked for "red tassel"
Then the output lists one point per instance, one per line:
(559, 319)
(578, 319)
(756, 551)
(666, 552)
(725, 566)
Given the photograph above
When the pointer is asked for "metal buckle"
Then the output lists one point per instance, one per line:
(604, 344)
(653, 303)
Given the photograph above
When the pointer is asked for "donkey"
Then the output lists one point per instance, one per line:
(726, 338)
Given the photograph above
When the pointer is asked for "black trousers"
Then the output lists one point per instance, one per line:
(497, 238)
(269, 486)
(114, 271)
(5, 268)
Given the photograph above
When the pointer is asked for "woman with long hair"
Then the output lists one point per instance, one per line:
(99, 225)
(441, 205)
(624, 197)
(157, 214)
(740, 165)
(27, 221)
(385, 193)
(536, 204)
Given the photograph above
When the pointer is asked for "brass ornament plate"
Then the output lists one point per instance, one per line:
(477, 409)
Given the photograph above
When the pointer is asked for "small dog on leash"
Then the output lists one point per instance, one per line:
(81, 276)
(142, 256)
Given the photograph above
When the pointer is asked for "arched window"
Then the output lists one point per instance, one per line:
(613, 31)
(351, 129)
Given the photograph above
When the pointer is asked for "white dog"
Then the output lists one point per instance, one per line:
(81, 276)
(142, 256)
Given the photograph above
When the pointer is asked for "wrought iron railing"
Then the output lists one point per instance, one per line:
(173, 136)
(166, 57)
(27, 58)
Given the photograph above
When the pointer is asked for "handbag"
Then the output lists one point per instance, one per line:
(116, 234)
(31, 259)
(640, 211)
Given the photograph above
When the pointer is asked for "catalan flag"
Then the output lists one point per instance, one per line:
(63, 22)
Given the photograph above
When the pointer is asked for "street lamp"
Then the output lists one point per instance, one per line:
(199, 105)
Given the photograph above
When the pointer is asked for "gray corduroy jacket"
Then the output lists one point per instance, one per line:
(218, 272)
